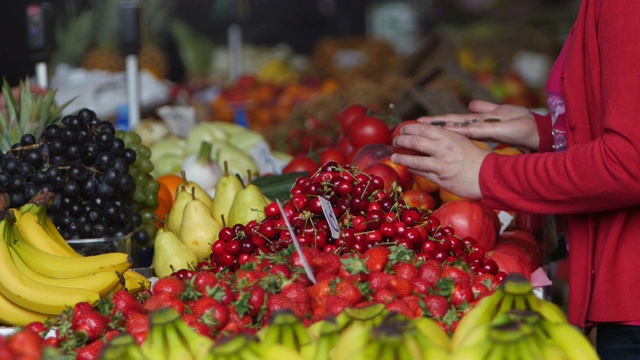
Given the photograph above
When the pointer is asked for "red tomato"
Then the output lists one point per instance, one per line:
(471, 218)
(300, 163)
(332, 153)
(350, 113)
(369, 130)
(396, 132)
(526, 241)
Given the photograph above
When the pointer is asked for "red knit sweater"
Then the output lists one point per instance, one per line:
(596, 181)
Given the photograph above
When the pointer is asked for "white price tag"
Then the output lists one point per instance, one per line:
(265, 161)
(327, 209)
(505, 220)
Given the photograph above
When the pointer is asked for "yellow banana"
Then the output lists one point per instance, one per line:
(549, 310)
(429, 329)
(33, 295)
(12, 314)
(103, 282)
(498, 351)
(571, 340)
(122, 347)
(154, 346)
(33, 233)
(435, 353)
(134, 281)
(351, 342)
(528, 348)
(478, 351)
(55, 234)
(65, 267)
(199, 345)
(484, 311)
(176, 345)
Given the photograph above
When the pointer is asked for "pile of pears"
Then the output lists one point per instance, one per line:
(195, 220)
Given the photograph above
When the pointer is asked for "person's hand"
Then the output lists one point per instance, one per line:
(507, 124)
(449, 159)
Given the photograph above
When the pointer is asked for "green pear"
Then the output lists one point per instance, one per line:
(199, 230)
(239, 160)
(226, 189)
(169, 253)
(174, 219)
(194, 188)
(248, 204)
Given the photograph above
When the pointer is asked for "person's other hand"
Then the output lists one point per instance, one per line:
(450, 159)
(507, 124)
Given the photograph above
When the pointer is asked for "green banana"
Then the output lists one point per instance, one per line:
(352, 341)
(199, 345)
(477, 351)
(372, 314)
(286, 329)
(517, 284)
(549, 310)
(176, 345)
(431, 331)
(122, 347)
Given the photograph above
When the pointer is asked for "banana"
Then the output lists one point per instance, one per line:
(435, 353)
(498, 351)
(429, 329)
(326, 338)
(484, 311)
(33, 233)
(352, 341)
(477, 351)
(528, 348)
(199, 345)
(103, 282)
(175, 344)
(12, 314)
(286, 329)
(372, 314)
(33, 295)
(134, 281)
(56, 266)
(549, 310)
(573, 342)
(517, 284)
(55, 234)
(473, 337)
(278, 352)
(121, 347)
(154, 346)
(233, 346)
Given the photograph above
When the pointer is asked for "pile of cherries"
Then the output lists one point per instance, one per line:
(366, 215)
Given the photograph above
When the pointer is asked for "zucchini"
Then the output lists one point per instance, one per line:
(278, 186)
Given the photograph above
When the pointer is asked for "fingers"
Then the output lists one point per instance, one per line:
(481, 106)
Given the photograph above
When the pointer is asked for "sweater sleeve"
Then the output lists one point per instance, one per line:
(544, 132)
(599, 171)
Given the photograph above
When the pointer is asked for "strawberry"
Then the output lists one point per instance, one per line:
(377, 258)
(326, 262)
(169, 284)
(379, 280)
(194, 322)
(222, 292)
(461, 293)
(38, 327)
(202, 305)
(400, 287)
(82, 307)
(125, 302)
(415, 304)
(282, 269)
(310, 253)
(383, 296)
(91, 351)
(138, 326)
(353, 269)
(457, 271)
(430, 270)
(437, 305)
(480, 290)
(401, 307)
(257, 300)
(422, 286)
(405, 270)
(489, 280)
(349, 291)
(318, 293)
(24, 344)
(90, 323)
(278, 302)
(163, 300)
(299, 295)
(211, 312)
(335, 305)
(203, 280)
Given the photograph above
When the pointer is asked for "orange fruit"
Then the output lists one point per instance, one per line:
(169, 184)
(446, 196)
(424, 184)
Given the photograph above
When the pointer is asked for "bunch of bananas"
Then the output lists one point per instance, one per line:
(513, 323)
(42, 275)
(169, 337)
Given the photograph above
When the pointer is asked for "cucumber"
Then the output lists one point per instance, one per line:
(278, 186)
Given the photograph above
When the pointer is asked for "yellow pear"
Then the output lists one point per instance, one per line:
(200, 193)
(226, 189)
(248, 204)
(199, 230)
(174, 219)
(169, 253)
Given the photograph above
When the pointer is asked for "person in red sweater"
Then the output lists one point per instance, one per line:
(583, 165)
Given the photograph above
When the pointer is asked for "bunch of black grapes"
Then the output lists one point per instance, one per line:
(101, 178)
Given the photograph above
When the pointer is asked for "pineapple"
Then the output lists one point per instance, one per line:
(30, 115)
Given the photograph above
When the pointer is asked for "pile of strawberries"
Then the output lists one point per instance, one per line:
(224, 303)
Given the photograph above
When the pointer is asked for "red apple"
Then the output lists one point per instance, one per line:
(396, 132)
(406, 177)
(386, 172)
(369, 154)
(419, 199)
